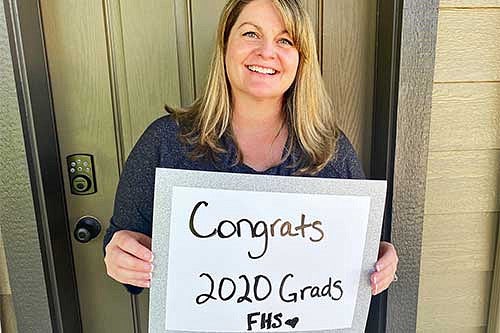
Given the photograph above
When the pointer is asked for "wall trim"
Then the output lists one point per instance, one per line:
(494, 312)
(385, 103)
(416, 76)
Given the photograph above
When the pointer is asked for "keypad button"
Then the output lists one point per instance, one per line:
(72, 170)
(73, 164)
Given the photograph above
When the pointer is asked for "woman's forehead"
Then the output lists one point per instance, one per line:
(261, 14)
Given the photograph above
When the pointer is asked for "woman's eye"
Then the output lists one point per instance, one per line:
(250, 34)
(286, 41)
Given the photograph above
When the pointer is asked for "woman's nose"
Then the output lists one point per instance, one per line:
(267, 50)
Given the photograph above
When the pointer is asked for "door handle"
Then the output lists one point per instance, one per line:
(87, 228)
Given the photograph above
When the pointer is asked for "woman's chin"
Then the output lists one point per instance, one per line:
(265, 92)
(264, 95)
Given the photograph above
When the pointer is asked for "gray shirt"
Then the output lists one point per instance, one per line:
(160, 146)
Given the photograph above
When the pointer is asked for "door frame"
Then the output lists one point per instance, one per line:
(417, 53)
(34, 96)
(405, 52)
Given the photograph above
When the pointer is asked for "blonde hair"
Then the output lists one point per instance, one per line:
(309, 111)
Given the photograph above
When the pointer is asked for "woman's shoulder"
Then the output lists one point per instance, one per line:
(158, 136)
(163, 125)
(344, 148)
(348, 158)
(345, 162)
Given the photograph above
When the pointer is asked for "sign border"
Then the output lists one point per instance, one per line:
(168, 178)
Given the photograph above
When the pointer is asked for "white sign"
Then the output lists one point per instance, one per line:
(240, 260)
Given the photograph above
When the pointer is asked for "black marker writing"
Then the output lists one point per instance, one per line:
(260, 229)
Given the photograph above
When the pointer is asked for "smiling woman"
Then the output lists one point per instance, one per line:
(264, 110)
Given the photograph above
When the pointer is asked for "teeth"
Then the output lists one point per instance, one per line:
(262, 70)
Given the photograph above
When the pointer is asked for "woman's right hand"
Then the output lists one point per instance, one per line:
(128, 258)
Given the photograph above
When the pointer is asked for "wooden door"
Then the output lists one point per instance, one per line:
(113, 66)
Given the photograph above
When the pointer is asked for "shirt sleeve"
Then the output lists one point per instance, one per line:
(133, 205)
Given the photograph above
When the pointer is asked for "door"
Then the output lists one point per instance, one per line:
(113, 66)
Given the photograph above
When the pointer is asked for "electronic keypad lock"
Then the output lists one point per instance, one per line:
(81, 174)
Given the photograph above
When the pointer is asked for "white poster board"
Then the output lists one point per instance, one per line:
(241, 253)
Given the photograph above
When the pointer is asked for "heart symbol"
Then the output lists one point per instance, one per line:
(292, 322)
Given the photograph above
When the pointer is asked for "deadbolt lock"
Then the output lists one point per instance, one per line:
(86, 229)
(81, 174)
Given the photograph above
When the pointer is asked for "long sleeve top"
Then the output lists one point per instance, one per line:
(160, 146)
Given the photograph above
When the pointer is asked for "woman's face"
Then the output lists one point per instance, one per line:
(261, 60)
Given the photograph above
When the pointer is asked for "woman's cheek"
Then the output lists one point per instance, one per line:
(291, 57)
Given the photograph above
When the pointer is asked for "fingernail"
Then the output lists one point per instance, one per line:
(374, 279)
(152, 267)
(378, 268)
(150, 276)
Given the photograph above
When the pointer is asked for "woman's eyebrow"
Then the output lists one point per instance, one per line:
(258, 27)
(253, 24)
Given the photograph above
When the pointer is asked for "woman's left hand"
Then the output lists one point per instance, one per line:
(385, 268)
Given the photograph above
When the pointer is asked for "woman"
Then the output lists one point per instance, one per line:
(265, 110)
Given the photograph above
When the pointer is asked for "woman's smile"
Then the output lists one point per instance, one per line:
(262, 70)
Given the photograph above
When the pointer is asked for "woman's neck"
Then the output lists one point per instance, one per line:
(256, 117)
(260, 132)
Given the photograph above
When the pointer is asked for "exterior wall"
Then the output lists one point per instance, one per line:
(463, 176)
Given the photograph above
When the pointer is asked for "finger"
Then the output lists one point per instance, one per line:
(388, 271)
(127, 261)
(142, 239)
(382, 285)
(388, 256)
(131, 245)
(125, 275)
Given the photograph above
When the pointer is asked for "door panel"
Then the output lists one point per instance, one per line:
(204, 17)
(77, 58)
(150, 61)
(113, 67)
(349, 29)
(115, 64)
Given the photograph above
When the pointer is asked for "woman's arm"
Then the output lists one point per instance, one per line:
(127, 242)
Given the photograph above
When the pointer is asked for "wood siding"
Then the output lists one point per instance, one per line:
(462, 202)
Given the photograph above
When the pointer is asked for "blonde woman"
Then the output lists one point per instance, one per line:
(264, 110)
